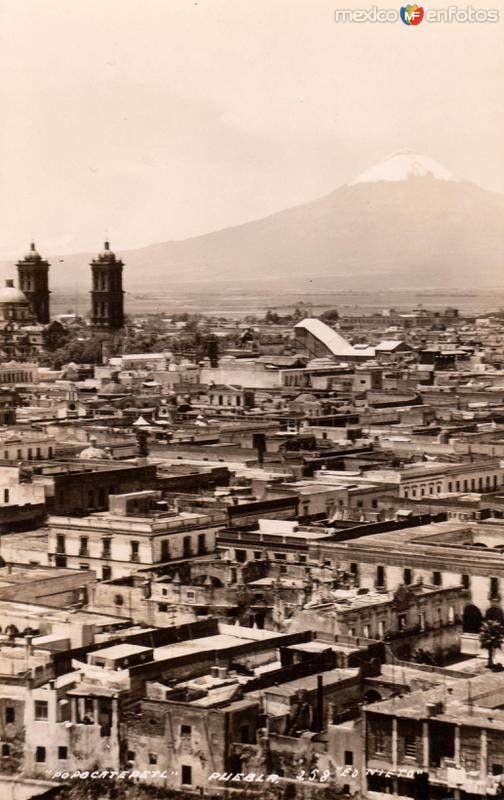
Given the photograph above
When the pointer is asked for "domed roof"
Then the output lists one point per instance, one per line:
(9, 294)
(32, 252)
(92, 453)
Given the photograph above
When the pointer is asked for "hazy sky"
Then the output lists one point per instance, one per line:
(161, 119)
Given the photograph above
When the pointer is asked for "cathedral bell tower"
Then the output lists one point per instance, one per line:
(33, 275)
(107, 296)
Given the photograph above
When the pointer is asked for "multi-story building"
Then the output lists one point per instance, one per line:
(444, 742)
(466, 554)
(26, 445)
(138, 531)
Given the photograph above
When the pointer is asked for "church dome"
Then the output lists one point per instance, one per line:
(9, 294)
(92, 453)
(32, 252)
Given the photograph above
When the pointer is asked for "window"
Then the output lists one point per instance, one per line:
(6, 496)
(436, 578)
(152, 758)
(410, 746)
(41, 709)
(130, 755)
(380, 576)
(83, 546)
(302, 559)
(466, 581)
(379, 741)
(106, 573)
(62, 753)
(135, 547)
(257, 555)
(60, 543)
(186, 775)
(244, 734)
(185, 730)
(280, 557)
(348, 758)
(10, 714)
(407, 577)
(240, 556)
(106, 548)
(202, 548)
(402, 619)
(40, 755)
(165, 550)
(6, 750)
(162, 607)
(187, 549)
(494, 588)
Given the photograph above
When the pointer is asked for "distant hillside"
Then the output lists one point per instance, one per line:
(404, 223)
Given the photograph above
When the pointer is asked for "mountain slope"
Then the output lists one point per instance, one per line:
(405, 223)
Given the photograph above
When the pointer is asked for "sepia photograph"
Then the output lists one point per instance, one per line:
(251, 400)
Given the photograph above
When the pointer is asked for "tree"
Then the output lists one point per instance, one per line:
(491, 638)
(330, 316)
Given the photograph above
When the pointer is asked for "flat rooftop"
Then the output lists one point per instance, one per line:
(310, 682)
(118, 651)
(41, 613)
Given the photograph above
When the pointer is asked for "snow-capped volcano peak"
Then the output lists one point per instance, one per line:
(401, 167)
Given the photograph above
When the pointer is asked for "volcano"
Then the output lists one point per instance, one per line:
(406, 222)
